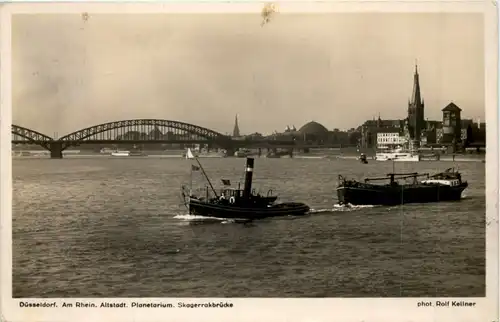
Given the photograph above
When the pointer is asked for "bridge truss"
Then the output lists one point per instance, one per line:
(24, 135)
(143, 130)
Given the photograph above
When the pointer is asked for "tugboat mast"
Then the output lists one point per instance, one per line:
(189, 155)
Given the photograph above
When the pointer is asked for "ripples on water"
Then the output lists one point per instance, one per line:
(116, 228)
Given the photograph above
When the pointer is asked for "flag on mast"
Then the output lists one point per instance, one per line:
(189, 154)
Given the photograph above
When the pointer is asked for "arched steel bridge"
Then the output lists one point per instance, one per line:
(128, 131)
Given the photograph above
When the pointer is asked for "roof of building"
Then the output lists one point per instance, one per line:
(313, 128)
(389, 130)
(451, 108)
(383, 123)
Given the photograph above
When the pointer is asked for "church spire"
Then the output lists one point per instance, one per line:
(236, 130)
(416, 120)
(416, 98)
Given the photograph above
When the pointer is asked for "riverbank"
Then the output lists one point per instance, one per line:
(332, 154)
(461, 158)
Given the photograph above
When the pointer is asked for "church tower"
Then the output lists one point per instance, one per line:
(236, 130)
(416, 121)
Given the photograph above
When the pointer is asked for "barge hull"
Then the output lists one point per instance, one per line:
(391, 196)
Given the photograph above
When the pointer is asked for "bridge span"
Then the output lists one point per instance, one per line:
(123, 132)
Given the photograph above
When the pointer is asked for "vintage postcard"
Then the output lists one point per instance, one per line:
(289, 161)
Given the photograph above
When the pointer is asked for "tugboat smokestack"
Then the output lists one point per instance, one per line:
(248, 178)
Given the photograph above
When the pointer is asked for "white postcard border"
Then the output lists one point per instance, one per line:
(292, 309)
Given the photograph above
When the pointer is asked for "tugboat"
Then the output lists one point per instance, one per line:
(443, 186)
(238, 203)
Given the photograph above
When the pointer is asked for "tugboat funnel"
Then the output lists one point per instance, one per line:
(248, 178)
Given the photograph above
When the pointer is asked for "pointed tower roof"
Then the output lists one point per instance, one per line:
(451, 108)
(236, 130)
(416, 96)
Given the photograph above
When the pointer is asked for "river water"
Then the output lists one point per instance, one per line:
(111, 227)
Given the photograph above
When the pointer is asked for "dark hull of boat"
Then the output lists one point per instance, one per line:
(201, 208)
(390, 196)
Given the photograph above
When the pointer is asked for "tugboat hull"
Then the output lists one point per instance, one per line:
(201, 208)
(403, 194)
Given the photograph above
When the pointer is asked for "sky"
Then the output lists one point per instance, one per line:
(338, 69)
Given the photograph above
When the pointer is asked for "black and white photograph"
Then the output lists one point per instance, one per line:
(264, 154)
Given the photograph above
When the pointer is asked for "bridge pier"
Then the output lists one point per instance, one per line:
(290, 152)
(56, 150)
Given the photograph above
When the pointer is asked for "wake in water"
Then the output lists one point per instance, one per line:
(339, 207)
(187, 218)
(194, 218)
